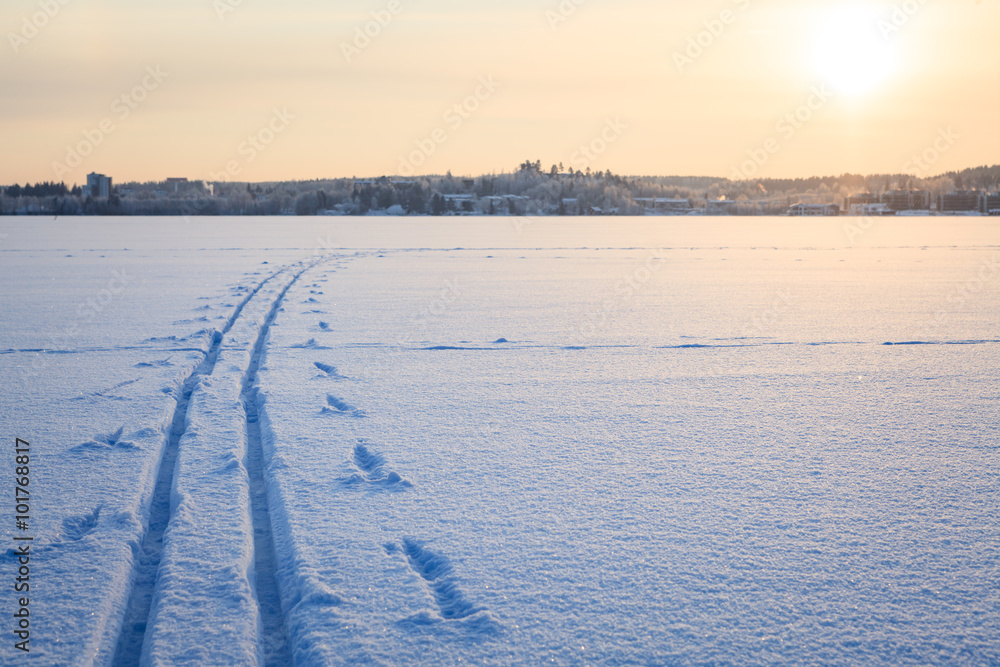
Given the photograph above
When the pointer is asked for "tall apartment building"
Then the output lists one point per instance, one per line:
(907, 200)
(98, 186)
(960, 202)
(990, 202)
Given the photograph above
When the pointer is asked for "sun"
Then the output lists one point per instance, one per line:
(851, 53)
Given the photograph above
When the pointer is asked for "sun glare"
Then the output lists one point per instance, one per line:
(850, 53)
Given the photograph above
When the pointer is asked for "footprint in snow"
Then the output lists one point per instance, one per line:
(164, 339)
(161, 363)
(108, 393)
(328, 371)
(107, 443)
(76, 528)
(372, 468)
(73, 529)
(438, 575)
(335, 406)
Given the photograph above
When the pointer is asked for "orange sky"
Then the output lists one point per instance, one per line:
(266, 90)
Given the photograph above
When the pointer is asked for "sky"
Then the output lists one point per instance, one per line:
(260, 90)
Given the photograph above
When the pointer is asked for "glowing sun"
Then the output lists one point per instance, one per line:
(851, 53)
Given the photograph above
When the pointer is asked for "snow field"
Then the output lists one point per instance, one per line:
(647, 497)
(511, 456)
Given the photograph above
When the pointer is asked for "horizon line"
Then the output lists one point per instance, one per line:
(543, 172)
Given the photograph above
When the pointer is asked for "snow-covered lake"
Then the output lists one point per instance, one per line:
(503, 441)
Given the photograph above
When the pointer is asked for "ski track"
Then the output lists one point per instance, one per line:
(275, 648)
(147, 560)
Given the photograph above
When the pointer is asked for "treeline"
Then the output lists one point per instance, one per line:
(530, 190)
(977, 178)
(45, 189)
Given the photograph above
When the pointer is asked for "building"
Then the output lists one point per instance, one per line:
(665, 206)
(990, 203)
(870, 210)
(854, 203)
(814, 210)
(98, 186)
(462, 202)
(720, 207)
(960, 202)
(907, 200)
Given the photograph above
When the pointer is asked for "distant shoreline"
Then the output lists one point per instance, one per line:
(528, 192)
